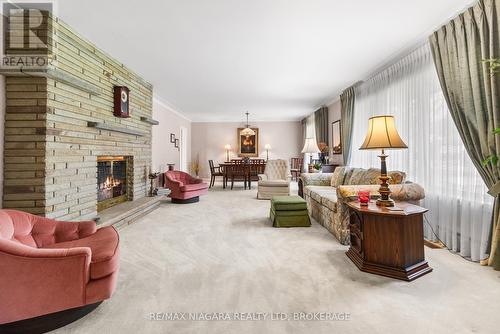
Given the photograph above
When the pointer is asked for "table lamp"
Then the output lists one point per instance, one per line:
(382, 135)
(310, 147)
(227, 147)
(267, 147)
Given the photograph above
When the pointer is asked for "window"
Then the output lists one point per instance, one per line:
(459, 206)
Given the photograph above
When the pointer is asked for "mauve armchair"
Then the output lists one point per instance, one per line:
(47, 266)
(184, 188)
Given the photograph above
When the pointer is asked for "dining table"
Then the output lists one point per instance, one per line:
(251, 168)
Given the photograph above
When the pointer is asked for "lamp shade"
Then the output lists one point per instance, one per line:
(227, 147)
(382, 134)
(267, 146)
(247, 132)
(310, 146)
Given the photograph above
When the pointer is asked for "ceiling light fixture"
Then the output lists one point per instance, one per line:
(247, 132)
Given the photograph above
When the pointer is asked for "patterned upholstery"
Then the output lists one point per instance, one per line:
(327, 194)
(275, 181)
(338, 176)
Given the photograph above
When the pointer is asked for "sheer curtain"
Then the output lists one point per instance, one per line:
(459, 207)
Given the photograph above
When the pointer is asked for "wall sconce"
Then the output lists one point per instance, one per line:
(172, 138)
(267, 147)
(227, 147)
(176, 144)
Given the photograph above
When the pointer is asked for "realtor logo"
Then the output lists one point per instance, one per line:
(27, 34)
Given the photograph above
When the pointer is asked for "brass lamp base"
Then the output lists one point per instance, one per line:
(384, 190)
(385, 202)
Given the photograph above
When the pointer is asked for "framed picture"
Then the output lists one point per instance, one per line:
(248, 146)
(336, 138)
(172, 138)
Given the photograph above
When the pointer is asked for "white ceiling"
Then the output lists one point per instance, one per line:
(278, 59)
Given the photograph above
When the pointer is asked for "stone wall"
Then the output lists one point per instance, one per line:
(50, 152)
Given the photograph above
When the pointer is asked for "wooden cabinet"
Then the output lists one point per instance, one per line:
(328, 168)
(387, 242)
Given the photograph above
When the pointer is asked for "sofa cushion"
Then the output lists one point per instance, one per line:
(330, 201)
(318, 194)
(288, 203)
(104, 247)
(338, 176)
(274, 183)
(308, 189)
(194, 187)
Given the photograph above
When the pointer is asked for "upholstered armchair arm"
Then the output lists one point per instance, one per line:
(8, 247)
(262, 177)
(48, 279)
(410, 192)
(316, 179)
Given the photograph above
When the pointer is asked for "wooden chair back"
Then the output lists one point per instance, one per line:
(296, 163)
(212, 167)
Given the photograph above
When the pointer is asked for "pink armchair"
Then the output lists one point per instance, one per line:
(48, 266)
(184, 188)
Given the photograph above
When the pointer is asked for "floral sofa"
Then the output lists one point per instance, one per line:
(326, 194)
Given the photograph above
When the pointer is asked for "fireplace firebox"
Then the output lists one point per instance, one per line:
(111, 181)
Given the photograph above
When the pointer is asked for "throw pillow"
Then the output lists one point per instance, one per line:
(354, 176)
(397, 177)
(338, 176)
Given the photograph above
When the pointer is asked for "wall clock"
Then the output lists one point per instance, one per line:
(122, 98)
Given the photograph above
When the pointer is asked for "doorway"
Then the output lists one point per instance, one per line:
(183, 150)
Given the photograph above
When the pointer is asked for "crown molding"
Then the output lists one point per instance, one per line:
(170, 106)
(252, 122)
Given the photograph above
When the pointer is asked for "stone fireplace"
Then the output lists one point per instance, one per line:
(66, 155)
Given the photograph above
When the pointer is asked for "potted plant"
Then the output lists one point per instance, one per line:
(316, 167)
(152, 177)
(195, 166)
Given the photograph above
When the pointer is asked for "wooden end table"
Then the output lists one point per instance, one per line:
(388, 243)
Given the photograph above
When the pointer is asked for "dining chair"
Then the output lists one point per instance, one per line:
(238, 172)
(256, 167)
(214, 172)
(296, 167)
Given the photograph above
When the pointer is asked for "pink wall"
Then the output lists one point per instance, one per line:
(208, 140)
(164, 152)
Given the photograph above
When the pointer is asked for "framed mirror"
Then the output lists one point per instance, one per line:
(336, 138)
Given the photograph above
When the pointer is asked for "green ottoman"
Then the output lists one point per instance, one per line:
(289, 211)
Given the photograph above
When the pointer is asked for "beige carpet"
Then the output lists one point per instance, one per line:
(222, 255)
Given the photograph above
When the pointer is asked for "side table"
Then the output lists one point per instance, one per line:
(387, 242)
